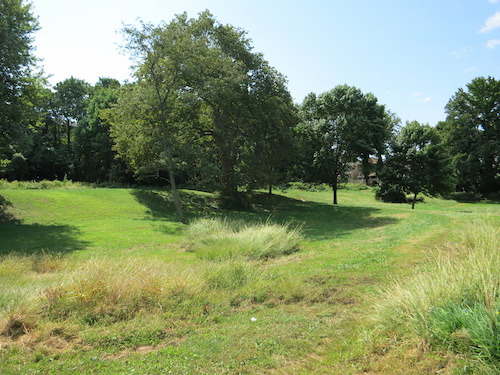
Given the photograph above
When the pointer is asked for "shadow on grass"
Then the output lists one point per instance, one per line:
(320, 221)
(26, 239)
(34, 238)
(161, 207)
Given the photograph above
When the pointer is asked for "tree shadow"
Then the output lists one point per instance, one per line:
(26, 239)
(35, 238)
(160, 205)
(319, 221)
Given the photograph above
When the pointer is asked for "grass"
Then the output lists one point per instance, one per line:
(217, 239)
(454, 305)
(106, 281)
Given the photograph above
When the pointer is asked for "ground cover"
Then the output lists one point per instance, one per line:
(106, 281)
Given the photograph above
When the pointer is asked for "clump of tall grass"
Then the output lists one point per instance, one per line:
(456, 304)
(216, 239)
(113, 291)
(42, 262)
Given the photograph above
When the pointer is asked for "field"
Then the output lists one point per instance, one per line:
(106, 281)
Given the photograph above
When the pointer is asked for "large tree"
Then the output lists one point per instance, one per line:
(418, 163)
(472, 134)
(341, 126)
(206, 83)
(17, 77)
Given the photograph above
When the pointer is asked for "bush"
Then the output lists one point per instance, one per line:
(390, 194)
(456, 304)
(215, 239)
(465, 196)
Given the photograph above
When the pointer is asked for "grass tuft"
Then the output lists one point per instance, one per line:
(215, 239)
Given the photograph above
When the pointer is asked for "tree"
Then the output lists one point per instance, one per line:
(418, 163)
(94, 157)
(472, 135)
(18, 82)
(342, 125)
(71, 98)
(204, 82)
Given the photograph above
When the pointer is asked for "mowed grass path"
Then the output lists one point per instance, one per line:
(349, 253)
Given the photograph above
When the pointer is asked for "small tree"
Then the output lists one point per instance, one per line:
(342, 125)
(417, 164)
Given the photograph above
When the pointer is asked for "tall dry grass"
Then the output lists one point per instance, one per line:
(454, 305)
(216, 239)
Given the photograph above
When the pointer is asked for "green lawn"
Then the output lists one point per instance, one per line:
(305, 313)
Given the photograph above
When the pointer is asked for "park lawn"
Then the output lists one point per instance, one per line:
(312, 320)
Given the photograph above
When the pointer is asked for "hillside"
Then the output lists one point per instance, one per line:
(106, 281)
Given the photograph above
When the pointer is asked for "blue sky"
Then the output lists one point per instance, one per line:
(412, 55)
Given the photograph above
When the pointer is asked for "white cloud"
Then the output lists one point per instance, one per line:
(492, 43)
(491, 23)
(494, 1)
(462, 53)
(424, 100)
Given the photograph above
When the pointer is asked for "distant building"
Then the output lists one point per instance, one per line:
(355, 174)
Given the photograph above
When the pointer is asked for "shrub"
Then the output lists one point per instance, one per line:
(456, 304)
(390, 194)
(465, 196)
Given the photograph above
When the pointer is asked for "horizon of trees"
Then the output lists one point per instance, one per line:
(205, 110)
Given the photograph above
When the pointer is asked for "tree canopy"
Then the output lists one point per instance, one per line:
(472, 134)
(200, 79)
(342, 125)
(417, 164)
(18, 87)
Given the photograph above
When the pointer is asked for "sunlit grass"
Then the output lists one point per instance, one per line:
(105, 280)
(455, 304)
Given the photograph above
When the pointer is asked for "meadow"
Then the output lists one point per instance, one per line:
(105, 280)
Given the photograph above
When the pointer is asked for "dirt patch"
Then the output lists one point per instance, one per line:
(146, 349)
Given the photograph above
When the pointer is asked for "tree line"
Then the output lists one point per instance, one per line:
(205, 110)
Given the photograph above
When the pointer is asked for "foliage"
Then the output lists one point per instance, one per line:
(94, 158)
(390, 193)
(19, 82)
(70, 103)
(213, 94)
(338, 127)
(455, 304)
(471, 134)
(417, 164)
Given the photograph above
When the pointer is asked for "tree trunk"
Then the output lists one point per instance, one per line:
(68, 130)
(175, 193)
(334, 188)
(270, 189)
(228, 178)
(414, 201)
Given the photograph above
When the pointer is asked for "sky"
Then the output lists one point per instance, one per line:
(413, 55)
